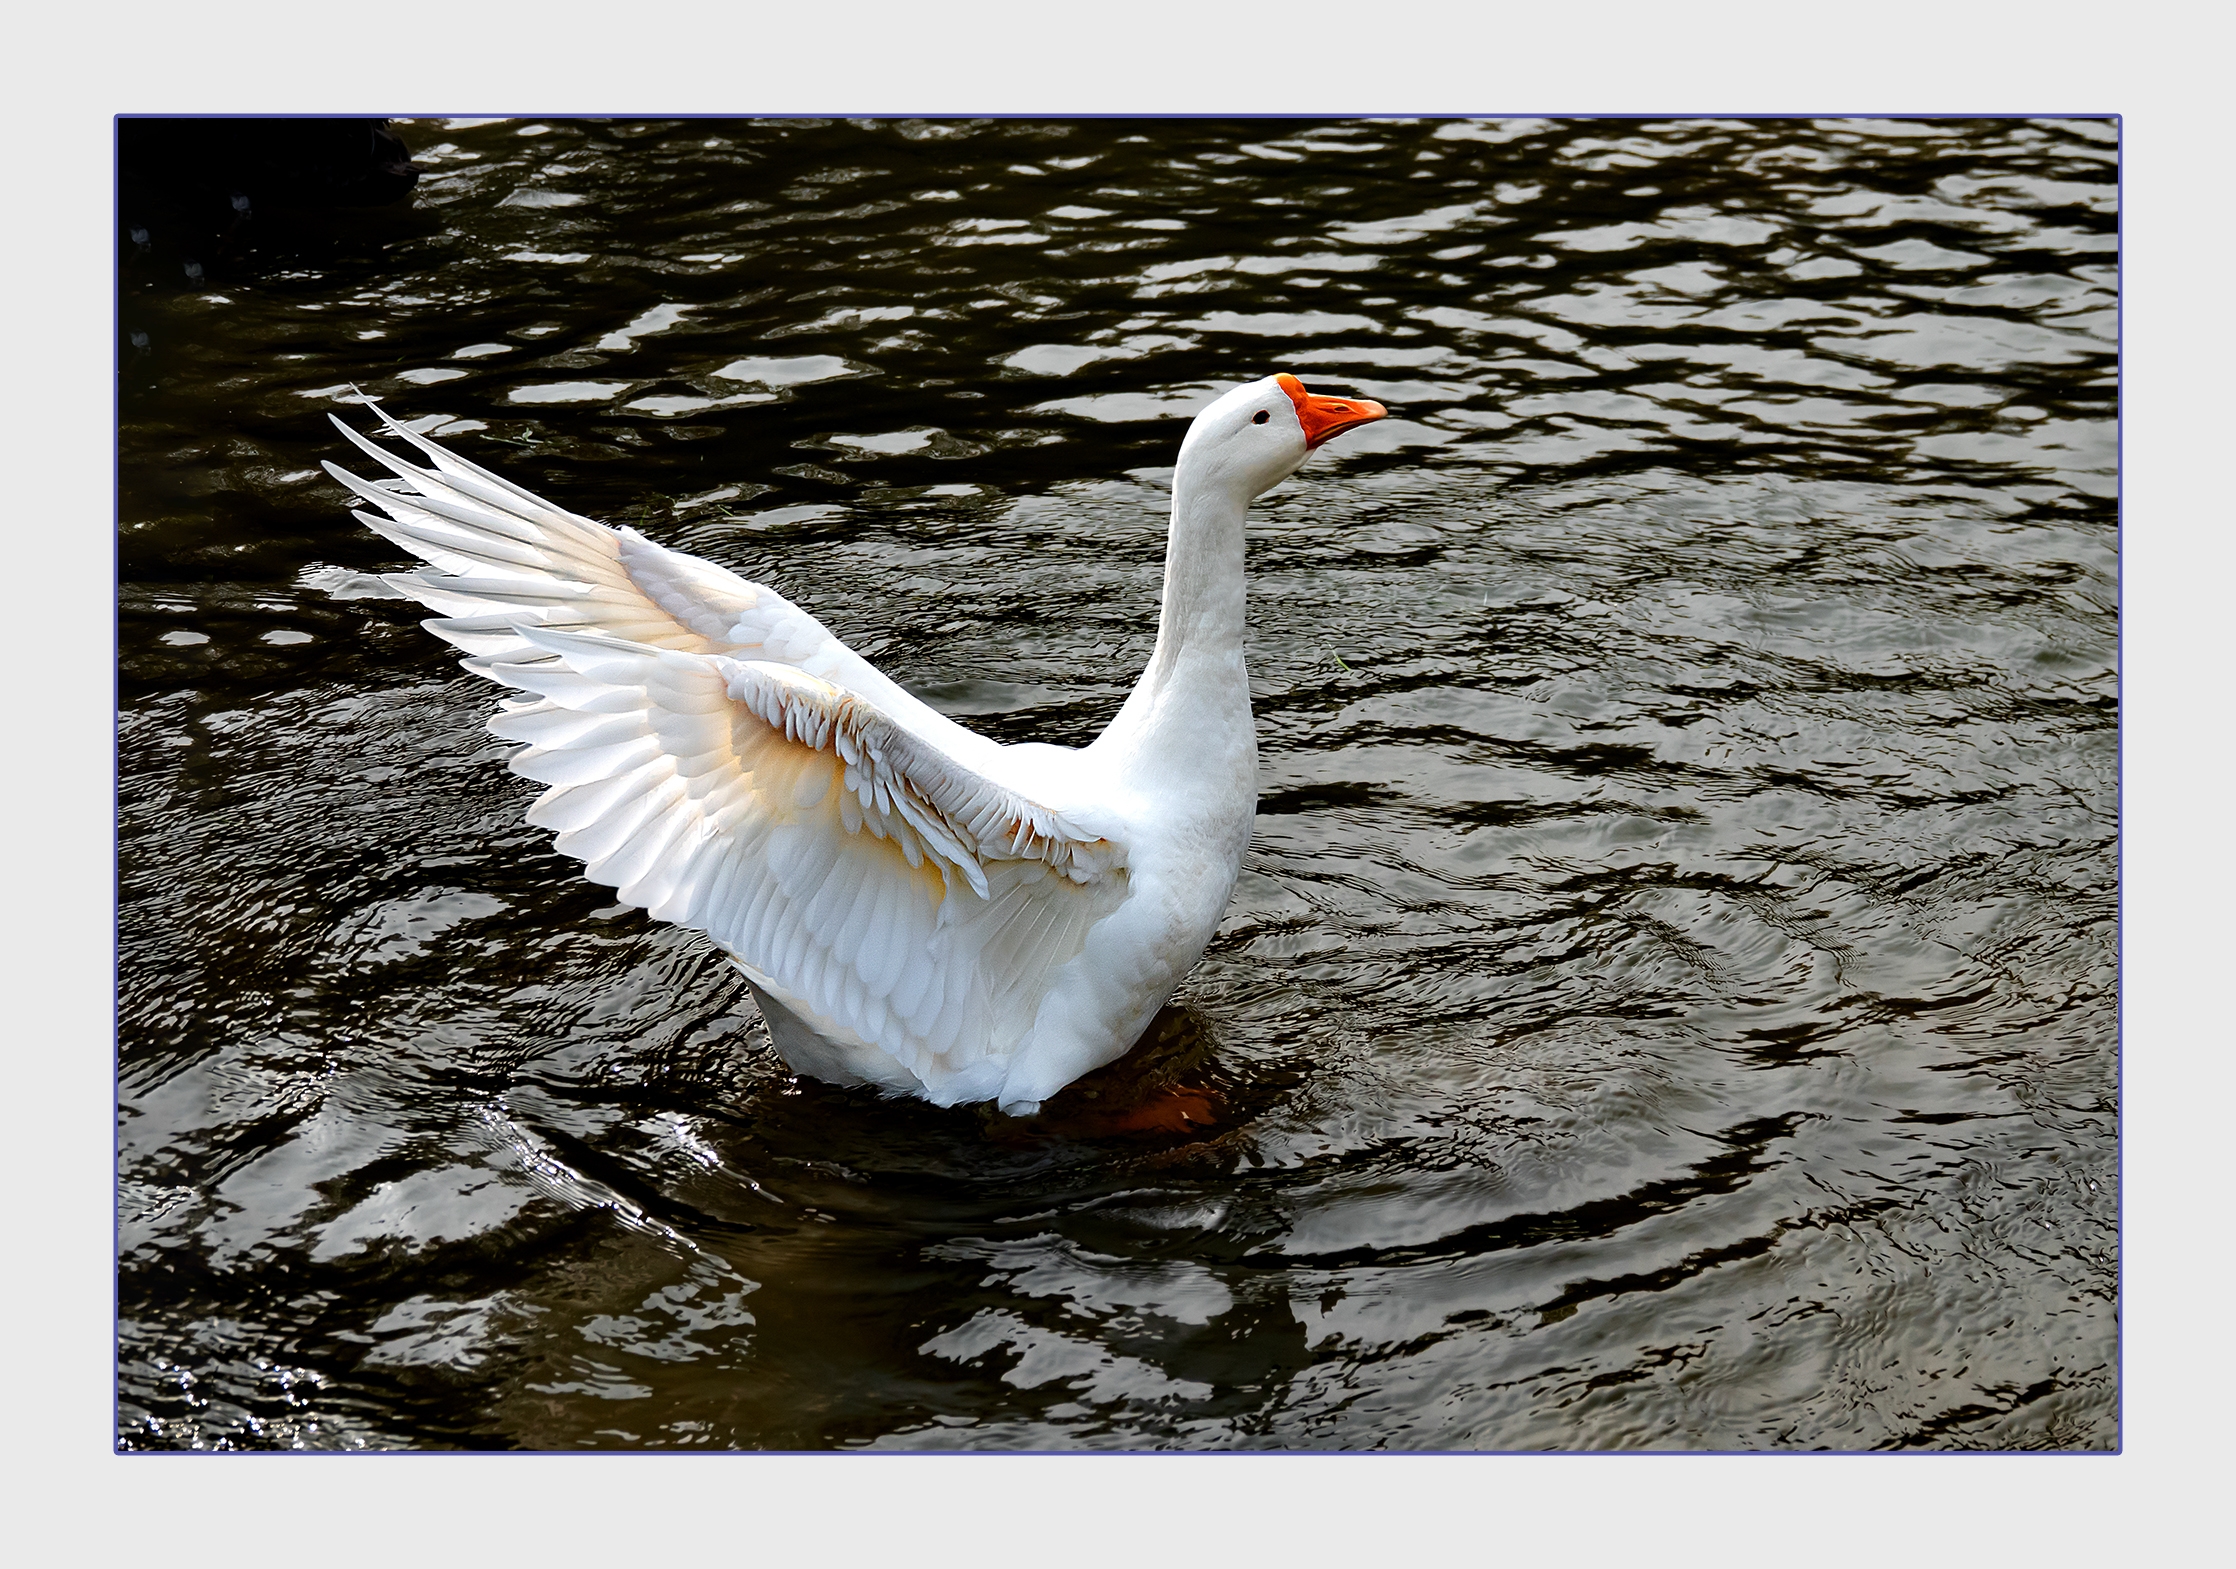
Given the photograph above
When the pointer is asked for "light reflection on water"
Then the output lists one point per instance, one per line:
(1670, 998)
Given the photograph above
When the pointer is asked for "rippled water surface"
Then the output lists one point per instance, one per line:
(1670, 999)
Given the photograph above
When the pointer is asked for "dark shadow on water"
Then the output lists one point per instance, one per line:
(1168, 1093)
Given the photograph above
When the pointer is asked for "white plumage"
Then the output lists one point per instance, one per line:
(915, 906)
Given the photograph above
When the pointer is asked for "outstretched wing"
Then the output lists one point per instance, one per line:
(502, 559)
(720, 759)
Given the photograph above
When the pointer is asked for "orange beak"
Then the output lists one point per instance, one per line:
(1325, 418)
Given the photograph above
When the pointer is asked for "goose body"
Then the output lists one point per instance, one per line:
(915, 906)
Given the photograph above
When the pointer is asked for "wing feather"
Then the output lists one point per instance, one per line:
(717, 756)
(501, 558)
(781, 823)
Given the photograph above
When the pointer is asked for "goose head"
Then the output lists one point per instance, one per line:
(1256, 436)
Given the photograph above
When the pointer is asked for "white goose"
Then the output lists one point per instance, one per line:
(915, 907)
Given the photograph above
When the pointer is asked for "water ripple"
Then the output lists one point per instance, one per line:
(1670, 999)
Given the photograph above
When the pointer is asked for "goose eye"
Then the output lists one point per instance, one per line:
(1260, 417)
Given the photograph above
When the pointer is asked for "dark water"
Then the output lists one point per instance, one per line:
(1670, 1000)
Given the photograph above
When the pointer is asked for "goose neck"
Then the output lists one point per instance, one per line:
(1203, 609)
(1187, 724)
